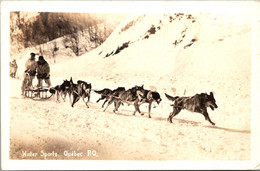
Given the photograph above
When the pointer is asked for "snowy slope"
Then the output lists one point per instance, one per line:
(219, 60)
(178, 54)
(208, 31)
(214, 47)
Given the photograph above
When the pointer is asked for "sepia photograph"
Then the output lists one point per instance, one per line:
(171, 85)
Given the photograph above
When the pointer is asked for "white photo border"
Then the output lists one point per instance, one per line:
(249, 8)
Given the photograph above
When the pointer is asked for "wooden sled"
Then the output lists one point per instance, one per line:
(38, 93)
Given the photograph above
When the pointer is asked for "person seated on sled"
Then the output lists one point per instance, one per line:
(43, 72)
(30, 69)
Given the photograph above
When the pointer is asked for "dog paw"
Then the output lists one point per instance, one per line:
(169, 120)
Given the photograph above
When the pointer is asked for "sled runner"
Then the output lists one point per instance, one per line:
(35, 93)
(38, 93)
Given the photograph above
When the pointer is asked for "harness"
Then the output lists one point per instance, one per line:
(76, 90)
(139, 96)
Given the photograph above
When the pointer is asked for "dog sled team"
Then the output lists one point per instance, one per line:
(135, 96)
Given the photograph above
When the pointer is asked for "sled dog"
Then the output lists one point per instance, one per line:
(197, 103)
(150, 97)
(81, 89)
(104, 95)
(61, 90)
(130, 96)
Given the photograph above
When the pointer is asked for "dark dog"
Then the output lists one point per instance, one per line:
(150, 97)
(114, 94)
(130, 96)
(197, 103)
(72, 88)
(104, 95)
(60, 90)
(81, 89)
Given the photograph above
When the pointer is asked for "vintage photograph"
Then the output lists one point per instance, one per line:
(122, 86)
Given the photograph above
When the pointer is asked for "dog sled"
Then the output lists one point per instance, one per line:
(37, 93)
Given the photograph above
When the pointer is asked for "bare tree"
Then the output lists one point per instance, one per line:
(54, 50)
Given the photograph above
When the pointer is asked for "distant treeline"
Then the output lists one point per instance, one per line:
(43, 27)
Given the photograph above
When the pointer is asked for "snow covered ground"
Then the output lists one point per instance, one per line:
(57, 127)
(214, 62)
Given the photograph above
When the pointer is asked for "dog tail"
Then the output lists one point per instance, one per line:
(171, 98)
(99, 91)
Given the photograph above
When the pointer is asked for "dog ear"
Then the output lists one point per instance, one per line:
(211, 94)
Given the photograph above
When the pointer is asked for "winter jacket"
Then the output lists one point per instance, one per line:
(30, 67)
(43, 69)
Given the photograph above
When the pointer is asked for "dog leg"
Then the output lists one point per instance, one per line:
(86, 102)
(75, 99)
(173, 113)
(104, 103)
(58, 101)
(109, 103)
(101, 98)
(70, 97)
(88, 96)
(169, 119)
(136, 108)
(63, 97)
(98, 100)
(206, 115)
(149, 109)
(139, 104)
(117, 105)
(135, 111)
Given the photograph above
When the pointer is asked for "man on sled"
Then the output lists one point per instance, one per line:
(29, 73)
(43, 72)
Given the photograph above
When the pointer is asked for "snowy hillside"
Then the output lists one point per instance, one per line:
(207, 57)
(179, 54)
(49, 33)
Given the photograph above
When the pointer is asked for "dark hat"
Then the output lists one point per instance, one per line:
(32, 56)
(41, 58)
